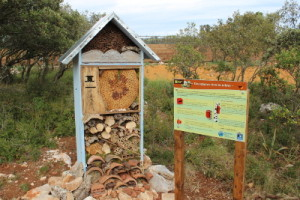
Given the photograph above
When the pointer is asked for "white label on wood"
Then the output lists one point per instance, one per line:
(92, 100)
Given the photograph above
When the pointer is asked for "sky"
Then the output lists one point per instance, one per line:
(167, 17)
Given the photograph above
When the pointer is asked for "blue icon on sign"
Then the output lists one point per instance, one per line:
(240, 136)
(221, 134)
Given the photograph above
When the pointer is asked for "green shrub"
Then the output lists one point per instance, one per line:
(32, 114)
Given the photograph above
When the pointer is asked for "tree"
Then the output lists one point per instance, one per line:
(289, 60)
(290, 14)
(35, 30)
(242, 39)
(186, 62)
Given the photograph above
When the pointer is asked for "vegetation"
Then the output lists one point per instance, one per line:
(33, 114)
(35, 109)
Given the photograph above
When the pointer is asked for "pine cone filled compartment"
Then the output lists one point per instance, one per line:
(119, 89)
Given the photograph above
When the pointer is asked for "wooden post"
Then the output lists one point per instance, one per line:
(179, 164)
(240, 161)
(239, 170)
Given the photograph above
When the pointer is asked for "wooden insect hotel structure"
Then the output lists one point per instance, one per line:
(108, 90)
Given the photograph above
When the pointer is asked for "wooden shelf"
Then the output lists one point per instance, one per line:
(120, 112)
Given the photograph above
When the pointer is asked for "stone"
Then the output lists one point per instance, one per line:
(148, 195)
(268, 107)
(24, 164)
(77, 169)
(163, 171)
(90, 198)
(84, 189)
(37, 193)
(55, 181)
(74, 184)
(147, 162)
(59, 192)
(124, 196)
(57, 156)
(162, 180)
(69, 196)
(68, 178)
(43, 178)
(167, 196)
(11, 176)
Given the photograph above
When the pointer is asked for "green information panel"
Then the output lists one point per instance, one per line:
(212, 108)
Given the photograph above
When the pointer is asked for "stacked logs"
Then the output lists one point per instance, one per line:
(110, 37)
(112, 176)
(116, 134)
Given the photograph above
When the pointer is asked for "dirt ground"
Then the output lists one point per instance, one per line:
(32, 174)
(160, 72)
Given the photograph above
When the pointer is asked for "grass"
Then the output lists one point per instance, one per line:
(32, 114)
(44, 170)
(25, 187)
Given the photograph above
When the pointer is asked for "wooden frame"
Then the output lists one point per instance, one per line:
(90, 90)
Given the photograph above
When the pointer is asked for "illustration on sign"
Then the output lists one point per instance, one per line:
(212, 108)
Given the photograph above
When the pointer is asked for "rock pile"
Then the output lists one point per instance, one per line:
(109, 178)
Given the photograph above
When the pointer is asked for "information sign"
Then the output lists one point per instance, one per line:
(212, 108)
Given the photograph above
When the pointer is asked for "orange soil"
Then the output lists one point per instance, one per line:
(160, 72)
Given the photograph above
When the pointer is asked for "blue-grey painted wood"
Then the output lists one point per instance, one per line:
(142, 108)
(80, 146)
(112, 64)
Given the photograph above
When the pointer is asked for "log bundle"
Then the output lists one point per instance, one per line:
(116, 134)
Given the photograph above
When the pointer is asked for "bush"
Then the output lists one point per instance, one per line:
(32, 114)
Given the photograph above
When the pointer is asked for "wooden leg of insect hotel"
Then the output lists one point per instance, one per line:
(179, 164)
(239, 170)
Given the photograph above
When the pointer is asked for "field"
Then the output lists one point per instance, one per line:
(160, 72)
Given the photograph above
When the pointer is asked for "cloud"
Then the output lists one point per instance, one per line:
(166, 16)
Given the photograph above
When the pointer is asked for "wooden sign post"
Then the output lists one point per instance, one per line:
(179, 164)
(212, 108)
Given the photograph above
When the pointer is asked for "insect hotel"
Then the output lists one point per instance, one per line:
(108, 91)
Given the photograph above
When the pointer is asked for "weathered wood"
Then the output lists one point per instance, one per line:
(239, 170)
(179, 164)
(92, 101)
(119, 67)
(240, 162)
(116, 112)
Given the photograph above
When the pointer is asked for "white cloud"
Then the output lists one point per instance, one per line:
(148, 17)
